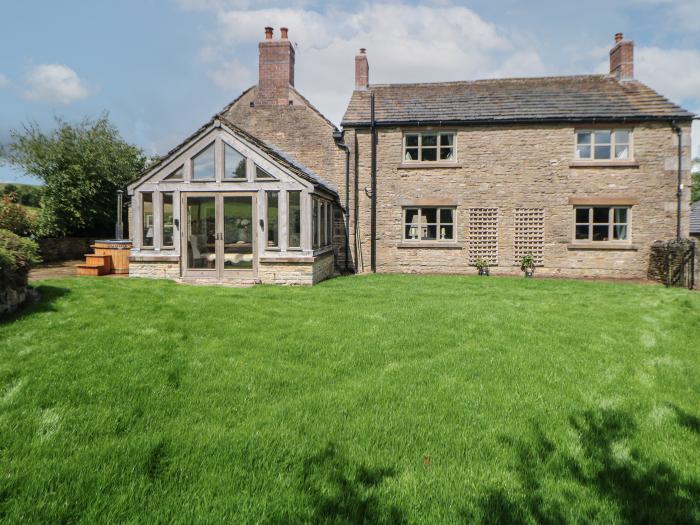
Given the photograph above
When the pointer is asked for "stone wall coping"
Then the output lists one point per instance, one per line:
(154, 258)
(432, 245)
(600, 246)
(603, 201)
(301, 259)
(604, 164)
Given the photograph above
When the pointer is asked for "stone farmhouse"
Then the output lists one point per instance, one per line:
(583, 173)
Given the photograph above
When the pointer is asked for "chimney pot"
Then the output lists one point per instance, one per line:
(275, 70)
(622, 58)
(361, 70)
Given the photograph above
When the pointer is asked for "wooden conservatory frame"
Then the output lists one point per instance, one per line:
(310, 262)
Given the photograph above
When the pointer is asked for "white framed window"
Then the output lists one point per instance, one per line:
(429, 147)
(602, 223)
(168, 233)
(147, 222)
(272, 219)
(294, 219)
(178, 174)
(234, 164)
(604, 144)
(203, 164)
(428, 224)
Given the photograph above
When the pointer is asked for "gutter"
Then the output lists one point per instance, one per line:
(340, 142)
(529, 120)
(679, 192)
(373, 196)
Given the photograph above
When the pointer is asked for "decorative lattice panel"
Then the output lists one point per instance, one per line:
(483, 234)
(529, 234)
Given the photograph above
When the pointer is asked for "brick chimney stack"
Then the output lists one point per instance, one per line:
(622, 58)
(361, 70)
(275, 69)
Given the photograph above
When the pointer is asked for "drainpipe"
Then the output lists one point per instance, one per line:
(338, 137)
(679, 193)
(373, 197)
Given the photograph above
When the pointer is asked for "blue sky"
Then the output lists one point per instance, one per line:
(162, 68)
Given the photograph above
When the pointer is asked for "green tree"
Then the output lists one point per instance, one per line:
(82, 166)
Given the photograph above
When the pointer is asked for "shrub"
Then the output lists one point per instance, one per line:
(14, 216)
(17, 256)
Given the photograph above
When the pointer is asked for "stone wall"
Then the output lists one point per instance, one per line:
(64, 249)
(309, 272)
(154, 270)
(297, 273)
(11, 299)
(515, 166)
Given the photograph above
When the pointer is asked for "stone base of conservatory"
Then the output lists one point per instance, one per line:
(304, 271)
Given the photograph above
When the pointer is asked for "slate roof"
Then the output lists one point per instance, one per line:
(695, 218)
(556, 99)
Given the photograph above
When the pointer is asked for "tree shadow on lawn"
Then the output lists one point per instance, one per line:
(340, 493)
(45, 296)
(640, 489)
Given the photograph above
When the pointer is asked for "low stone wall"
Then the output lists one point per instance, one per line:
(297, 273)
(665, 258)
(64, 249)
(11, 299)
(286, 272)
(154, 270)
(323, 267)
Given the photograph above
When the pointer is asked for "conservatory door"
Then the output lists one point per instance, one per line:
(218, 235)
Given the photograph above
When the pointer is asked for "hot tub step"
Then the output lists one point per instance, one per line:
(91, 269)
(103, 260)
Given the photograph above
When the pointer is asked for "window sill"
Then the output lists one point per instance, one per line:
(423, 244)
(602, 245)
(604, 164)
(427, 165)
(154, 258)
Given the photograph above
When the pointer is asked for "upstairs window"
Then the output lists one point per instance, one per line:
(603, 144)
(428, 147)
(261, 174)
(178, 174)
(203, 164)
(234, 164)
(429, 224)
(602, 223)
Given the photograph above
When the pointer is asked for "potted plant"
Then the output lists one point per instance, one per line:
(482, 265)
(527, 265)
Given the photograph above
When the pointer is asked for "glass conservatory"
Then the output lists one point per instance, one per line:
(227, 207)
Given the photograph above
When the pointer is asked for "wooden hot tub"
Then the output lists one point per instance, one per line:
(118, 251)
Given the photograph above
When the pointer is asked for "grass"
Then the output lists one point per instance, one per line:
(377, 399)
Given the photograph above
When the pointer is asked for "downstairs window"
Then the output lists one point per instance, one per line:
(601, 223)
(428, 224)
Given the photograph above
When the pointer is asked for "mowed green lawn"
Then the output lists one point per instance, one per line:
(364, 399)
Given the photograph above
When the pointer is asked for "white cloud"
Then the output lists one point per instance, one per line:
(673, 72)
(233, 75)
(4, 81)
(405, 43)
(54, 83)
(684, 14)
